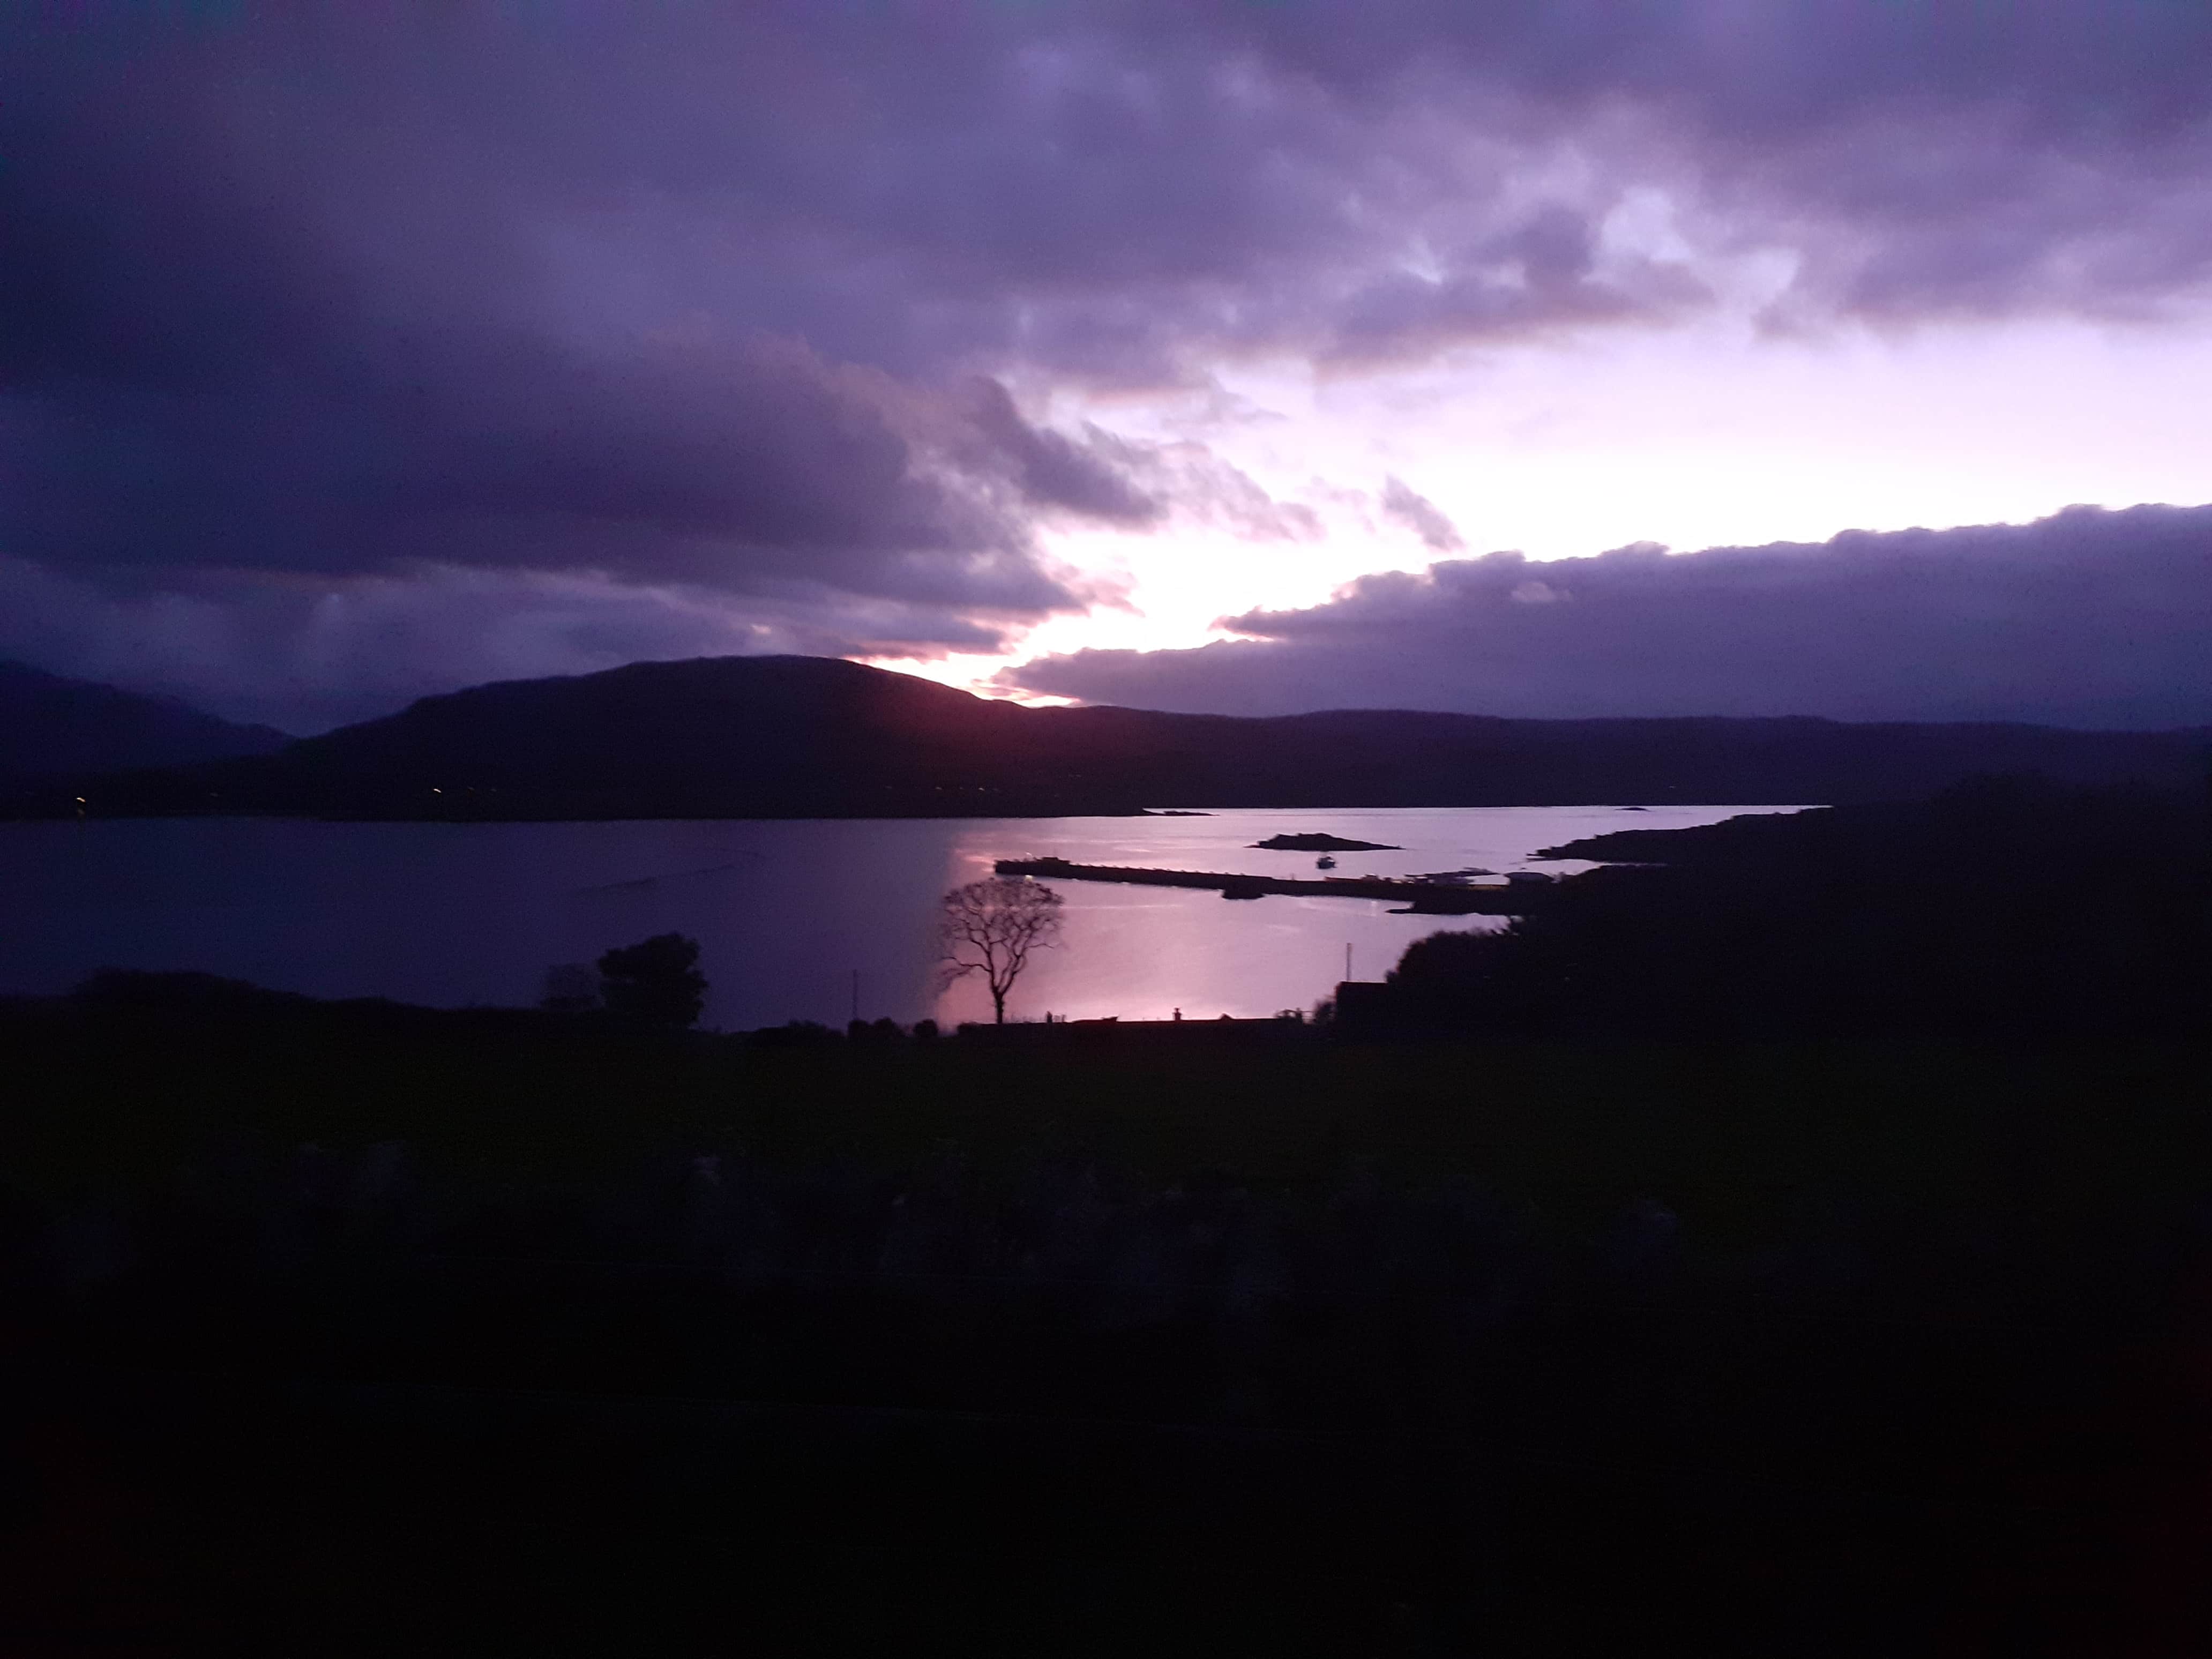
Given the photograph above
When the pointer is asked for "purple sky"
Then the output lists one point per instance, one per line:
(1256, 355)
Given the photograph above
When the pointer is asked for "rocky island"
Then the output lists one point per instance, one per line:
(1320, 843)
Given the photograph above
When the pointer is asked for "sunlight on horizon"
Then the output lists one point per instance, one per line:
(1703, 436)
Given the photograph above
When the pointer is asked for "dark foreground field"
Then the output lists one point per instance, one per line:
(355, 1330)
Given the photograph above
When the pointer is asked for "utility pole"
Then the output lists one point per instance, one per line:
(1347, 959)
(856, 993)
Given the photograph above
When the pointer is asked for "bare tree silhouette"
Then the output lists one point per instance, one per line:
(989, 928)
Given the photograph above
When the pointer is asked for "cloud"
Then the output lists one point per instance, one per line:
(725, 298)
(2086, 618)
(1054, 470)
(1421, 515)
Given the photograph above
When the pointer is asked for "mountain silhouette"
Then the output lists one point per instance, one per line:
(63, 729)
(803, 737)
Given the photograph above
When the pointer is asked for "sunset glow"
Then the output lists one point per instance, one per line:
(1010, 344)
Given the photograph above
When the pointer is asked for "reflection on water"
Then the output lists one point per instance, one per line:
(788, 913)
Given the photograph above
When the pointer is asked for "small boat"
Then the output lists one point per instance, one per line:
(1324, 862)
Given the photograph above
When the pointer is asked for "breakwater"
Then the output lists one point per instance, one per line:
(1427, 898)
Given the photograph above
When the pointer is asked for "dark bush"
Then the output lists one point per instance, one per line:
(656, 981)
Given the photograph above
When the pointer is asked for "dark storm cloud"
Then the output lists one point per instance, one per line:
(265, 306)
(1053, 470)
(697, 297)
(196, 383)
(2085, 618)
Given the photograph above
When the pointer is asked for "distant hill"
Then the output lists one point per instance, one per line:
(802, 737)
(61, 729)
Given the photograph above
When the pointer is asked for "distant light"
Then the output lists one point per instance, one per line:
(80, 800)
(437, 792)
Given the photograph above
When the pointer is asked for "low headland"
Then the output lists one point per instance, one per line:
(1419, 897)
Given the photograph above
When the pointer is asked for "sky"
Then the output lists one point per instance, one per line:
(1534, 357)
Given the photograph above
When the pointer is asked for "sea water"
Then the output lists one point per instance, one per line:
(798, 919)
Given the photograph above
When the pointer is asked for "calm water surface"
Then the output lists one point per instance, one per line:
(787, 912)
